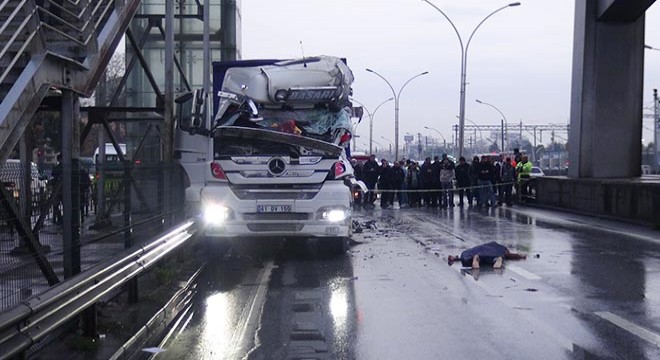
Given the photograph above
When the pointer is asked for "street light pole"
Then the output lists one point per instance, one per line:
(505, 123)
(656, 132)
(396, 107)
(371, 121)
(439, 133)
(379, 144)
(464, 50)
(389, 141)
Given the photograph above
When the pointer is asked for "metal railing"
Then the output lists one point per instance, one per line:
(14, 37)
(30, 321)
(52, 43)
(106, 227)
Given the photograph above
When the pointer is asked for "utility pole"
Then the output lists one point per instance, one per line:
(656, 137)
(536, 160)
(502, 122)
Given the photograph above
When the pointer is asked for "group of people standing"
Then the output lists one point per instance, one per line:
(482, 182)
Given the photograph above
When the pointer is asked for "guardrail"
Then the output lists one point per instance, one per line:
(28, 322)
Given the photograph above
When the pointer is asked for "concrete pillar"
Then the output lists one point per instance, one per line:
(606, 97)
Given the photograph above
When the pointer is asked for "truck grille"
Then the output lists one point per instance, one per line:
(263, 193)
(275, 227)
(276, 216)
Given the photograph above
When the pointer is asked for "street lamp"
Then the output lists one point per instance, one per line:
(379, 144)
(464, 50)
(371, 120)
(651, 47)
(505, 124)
(439, 133)
(390, 141)
(396, 107)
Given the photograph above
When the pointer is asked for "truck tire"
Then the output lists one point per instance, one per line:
(335, 246)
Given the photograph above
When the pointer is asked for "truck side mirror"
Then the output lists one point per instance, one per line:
(191, 111)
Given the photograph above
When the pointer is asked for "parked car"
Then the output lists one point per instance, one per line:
(537, 172)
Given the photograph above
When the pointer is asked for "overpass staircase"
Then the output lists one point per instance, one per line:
(47, 45)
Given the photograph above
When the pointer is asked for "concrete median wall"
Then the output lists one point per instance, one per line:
(635, 199)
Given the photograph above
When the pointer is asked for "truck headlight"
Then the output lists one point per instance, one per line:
(334, 215)
(215, 214)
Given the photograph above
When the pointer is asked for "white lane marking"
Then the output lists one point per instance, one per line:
(254, 314)
(522, 272)
(630, 327)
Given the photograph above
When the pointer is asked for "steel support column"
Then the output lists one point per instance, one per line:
(70, 183)
(25, 195)
(168, 124)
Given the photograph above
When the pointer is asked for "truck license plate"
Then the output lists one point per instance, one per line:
(273, 208)
(332, 230)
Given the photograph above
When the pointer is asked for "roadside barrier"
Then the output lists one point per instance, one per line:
(31, 320)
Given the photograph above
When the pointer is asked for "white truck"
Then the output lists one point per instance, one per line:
(272, 160)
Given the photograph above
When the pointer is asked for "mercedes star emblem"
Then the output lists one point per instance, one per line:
(276, 166)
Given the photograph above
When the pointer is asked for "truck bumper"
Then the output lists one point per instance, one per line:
(277, 217)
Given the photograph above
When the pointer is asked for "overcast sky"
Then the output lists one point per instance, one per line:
(519, 60)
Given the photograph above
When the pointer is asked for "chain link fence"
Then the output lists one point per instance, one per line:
(135, 203)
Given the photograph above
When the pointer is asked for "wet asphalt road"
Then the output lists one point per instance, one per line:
(590, 289)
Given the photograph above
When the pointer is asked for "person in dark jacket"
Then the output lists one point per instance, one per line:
(383, 184)
(474, 179)
(414, 182)
(85, 184)
(485, 183)
(395, 176)
(508, 176)
(463, 181)
(496, 181)
(447, 176)
(370, 171)
(357, 169)
(490, 253)
(54, 184)
(427, 181)
(435, 181)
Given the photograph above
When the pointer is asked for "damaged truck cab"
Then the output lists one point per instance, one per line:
(272, 161)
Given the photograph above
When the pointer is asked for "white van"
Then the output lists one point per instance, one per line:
(110, 153)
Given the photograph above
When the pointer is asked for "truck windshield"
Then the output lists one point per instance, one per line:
(228, 146)
(321, 124)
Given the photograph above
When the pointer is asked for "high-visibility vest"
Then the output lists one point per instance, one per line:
(524, 170)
